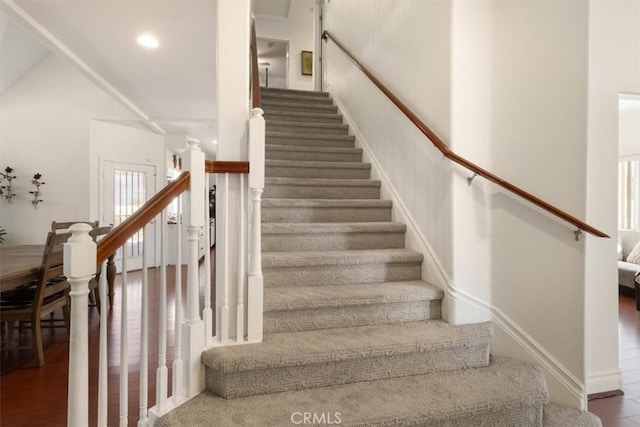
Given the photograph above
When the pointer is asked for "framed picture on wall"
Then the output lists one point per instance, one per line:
(307, 63)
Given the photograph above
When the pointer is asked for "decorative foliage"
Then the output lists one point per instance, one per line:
(36, 194)
(6, 191)
(3, 232)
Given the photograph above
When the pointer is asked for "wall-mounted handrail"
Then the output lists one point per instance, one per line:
(446, 151)
(255, 77)
(130, 226)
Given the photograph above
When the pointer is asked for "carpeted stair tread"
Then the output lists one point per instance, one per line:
(324, 182)
(333, 228)
(290, 97)
(302, 116)
(312, 149)
(505, 393)
(320, 258)
(275, 91)
(320, 136)
(272, 105)
(311, 297)
(338, 344)
(325, 210)
(312, 164)
(556, 415)
(326, 128)
(327, 203)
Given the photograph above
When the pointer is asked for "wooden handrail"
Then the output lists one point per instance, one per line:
(152, 207)
(255, 76)
(211, 166)
(446, 151)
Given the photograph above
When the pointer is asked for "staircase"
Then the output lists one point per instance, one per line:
(353, 336)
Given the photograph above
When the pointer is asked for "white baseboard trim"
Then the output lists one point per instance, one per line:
(604, 381)
(457, 302)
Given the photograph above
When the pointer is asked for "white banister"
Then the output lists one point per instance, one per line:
(256, 186)
(79, 268)
(242, 256)
(177, 374)
(124, 347)
(193, 333)
(207, 313)
(162, 372)
(144, 333)
(224, 265)
(103, 374)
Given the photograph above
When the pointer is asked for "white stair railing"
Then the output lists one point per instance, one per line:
(194, 329)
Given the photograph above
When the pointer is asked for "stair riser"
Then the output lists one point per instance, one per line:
(249, 383)
(302, 172)
(312, 156)
(331, 241)
(313, 100)
(317, 214)
(309, 142)
(341, 274)
(302, 108)
(306, 130)
(303, 118)
(375, 314)
(320, 192)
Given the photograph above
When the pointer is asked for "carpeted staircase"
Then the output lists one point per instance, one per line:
(353, 336)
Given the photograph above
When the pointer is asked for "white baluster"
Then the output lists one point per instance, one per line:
(194, 327)
(124, 347)
(143, 419)
(178, 378)
(224, 309)
(103, 376)
(162, 373)
(79, 267)
(256, 185)
(242, 272)
(207, 313)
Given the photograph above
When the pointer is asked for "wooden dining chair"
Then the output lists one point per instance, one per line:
(31, 304)
(59, 226)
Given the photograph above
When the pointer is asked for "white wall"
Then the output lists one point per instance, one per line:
(629, 126)
(44, 128)
(506, 84)
(299, 34)
(614, 68)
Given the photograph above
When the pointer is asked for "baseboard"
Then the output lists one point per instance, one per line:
(604, 382)
(459, 306)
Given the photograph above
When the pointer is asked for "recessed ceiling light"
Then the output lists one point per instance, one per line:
(147, 40)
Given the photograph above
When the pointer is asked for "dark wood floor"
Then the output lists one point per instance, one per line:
(624, 411)
(31, 396)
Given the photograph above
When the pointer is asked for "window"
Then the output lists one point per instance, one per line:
(629, 195)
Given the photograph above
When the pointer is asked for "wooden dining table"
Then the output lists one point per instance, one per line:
(21, 264)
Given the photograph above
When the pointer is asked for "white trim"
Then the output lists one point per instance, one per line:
(457, 300)
(26, 21)
(604, 381)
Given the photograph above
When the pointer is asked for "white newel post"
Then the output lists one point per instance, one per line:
(256, 185)
(79, 268)
(193, 332)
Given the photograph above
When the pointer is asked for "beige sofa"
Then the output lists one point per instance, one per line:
(628, 272)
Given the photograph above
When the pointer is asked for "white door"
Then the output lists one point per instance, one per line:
(126, 187)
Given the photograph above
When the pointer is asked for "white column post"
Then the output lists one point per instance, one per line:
(79, 267)
(193, 332)
(256, 185)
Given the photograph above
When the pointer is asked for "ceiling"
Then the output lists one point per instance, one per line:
(172, 88)
(277, 9)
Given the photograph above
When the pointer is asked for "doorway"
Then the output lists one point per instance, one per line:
(126, 187)
(273, 63)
